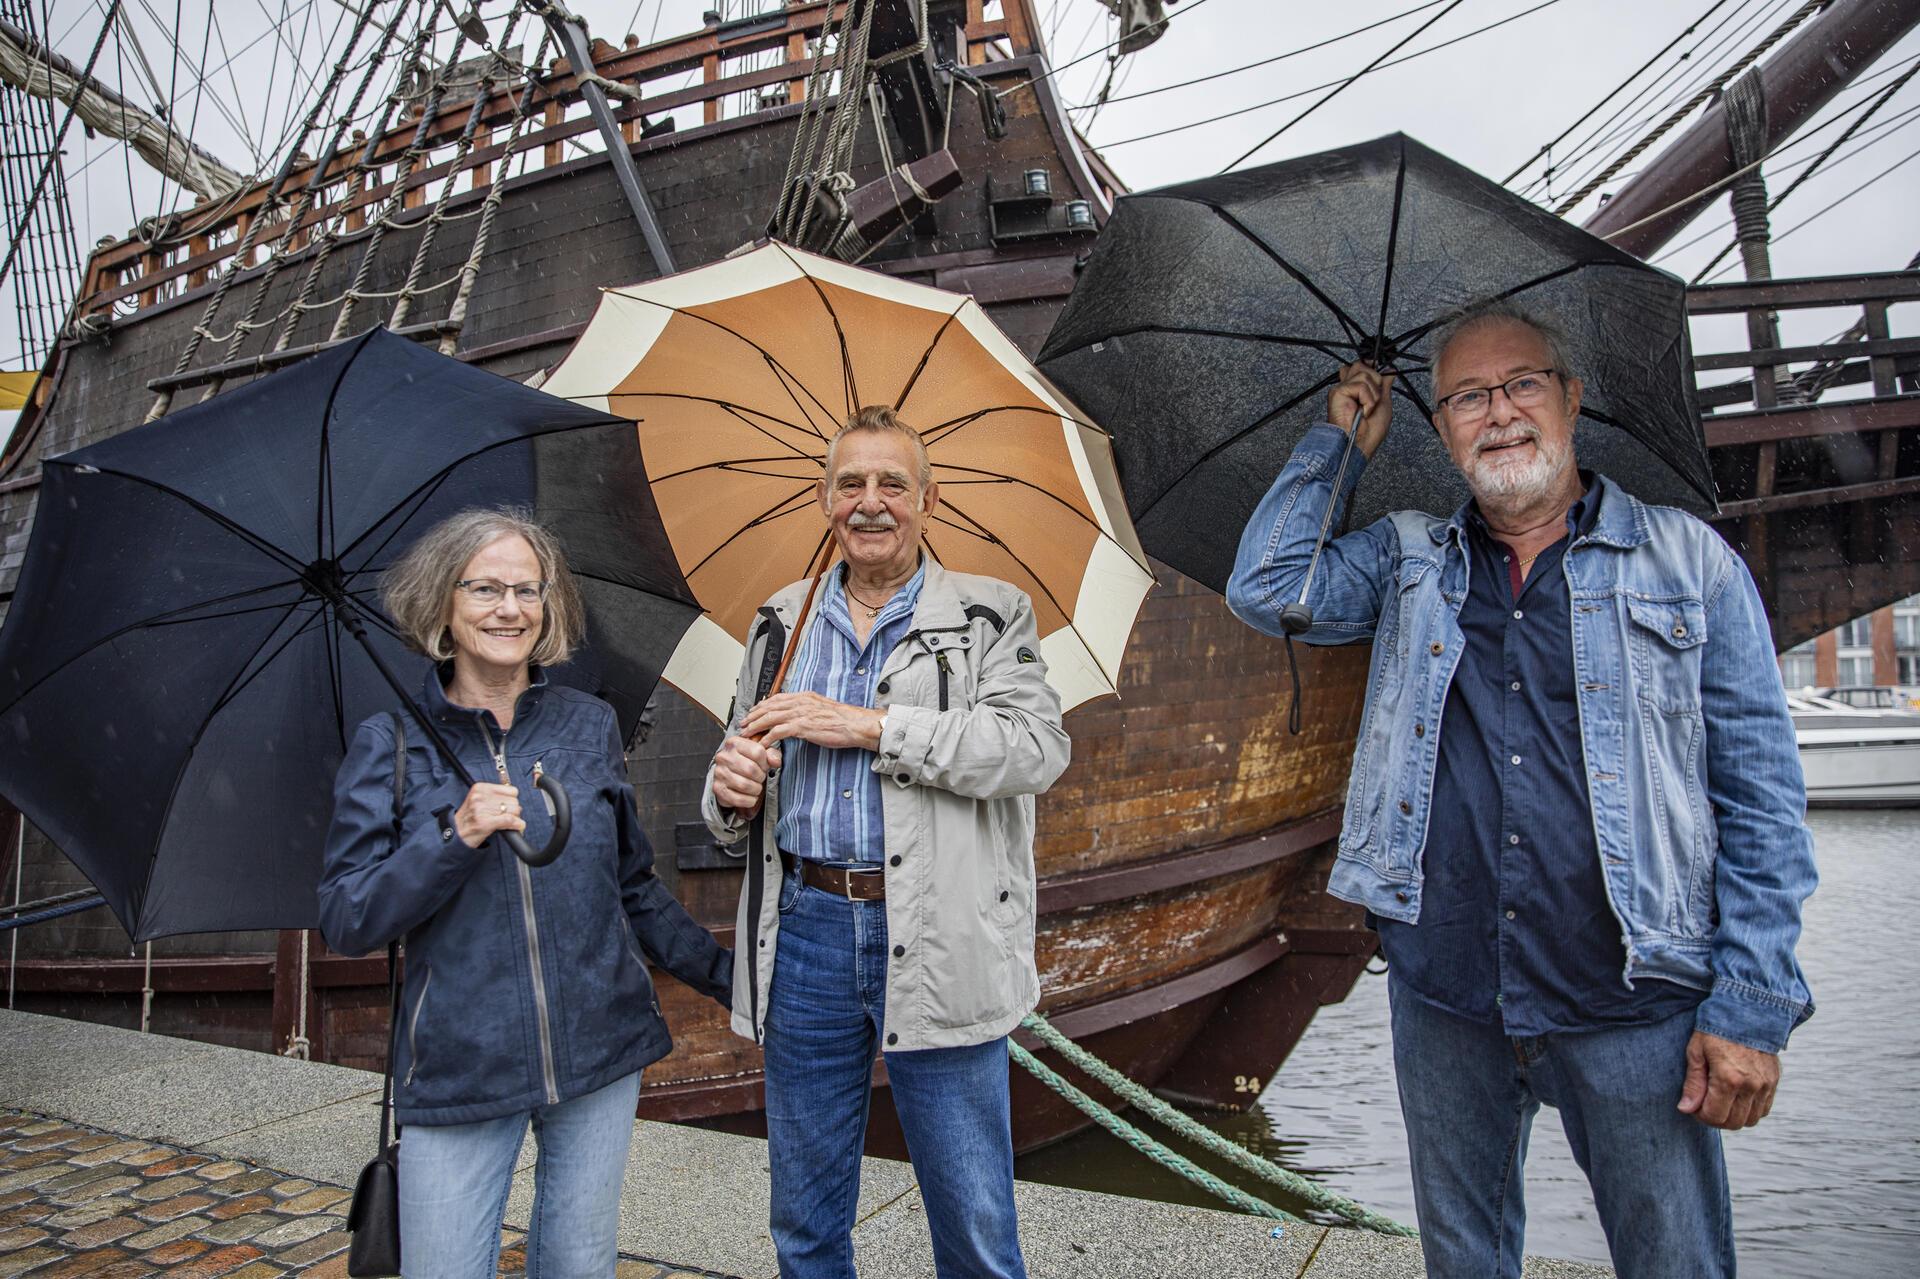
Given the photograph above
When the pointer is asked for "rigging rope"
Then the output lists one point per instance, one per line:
(1301, 93)
(1141, 1099)
(1638, 113)
(1278, 57)
(316, 185)
(396, 197)
(59, 139)
(1342, 86)
(489, 207)
(327, 234)
(1642, 70)
(244, 250)
(1873, 106)
(1719, 82)
(482, 93)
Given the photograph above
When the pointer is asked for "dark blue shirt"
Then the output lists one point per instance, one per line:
(1515, 926)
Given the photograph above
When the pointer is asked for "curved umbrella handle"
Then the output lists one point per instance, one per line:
(562, 825)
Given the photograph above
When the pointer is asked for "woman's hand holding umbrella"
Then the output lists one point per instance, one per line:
(488, 809)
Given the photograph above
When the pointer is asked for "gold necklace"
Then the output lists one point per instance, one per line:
(873, 610)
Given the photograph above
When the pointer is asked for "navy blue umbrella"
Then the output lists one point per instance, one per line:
(196, 629)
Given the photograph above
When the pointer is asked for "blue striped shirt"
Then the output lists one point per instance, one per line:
(830, 799)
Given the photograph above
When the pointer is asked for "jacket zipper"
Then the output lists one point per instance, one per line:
(532, 929)
(413, 1026)
(946, 669)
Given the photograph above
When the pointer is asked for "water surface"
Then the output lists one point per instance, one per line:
(1828, 1184)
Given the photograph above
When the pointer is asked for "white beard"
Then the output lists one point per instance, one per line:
(1496, 481)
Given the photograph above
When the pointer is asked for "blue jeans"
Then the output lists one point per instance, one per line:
(1469, 1095)
(826, 1015)
(454, 1180)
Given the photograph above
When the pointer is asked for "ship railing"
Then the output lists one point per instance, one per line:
(710, 79)
(1778, 442)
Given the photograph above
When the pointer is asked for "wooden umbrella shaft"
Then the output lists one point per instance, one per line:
(817, 566)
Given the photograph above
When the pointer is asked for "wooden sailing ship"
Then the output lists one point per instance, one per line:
(1183, 931)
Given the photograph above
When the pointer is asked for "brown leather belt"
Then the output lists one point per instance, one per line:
(854, 885)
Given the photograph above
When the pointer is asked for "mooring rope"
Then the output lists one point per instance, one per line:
(1134, 1095)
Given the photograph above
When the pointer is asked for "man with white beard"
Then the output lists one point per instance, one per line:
(1575, 811)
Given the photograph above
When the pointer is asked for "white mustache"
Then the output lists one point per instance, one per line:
(1486, 442)
(871, 524)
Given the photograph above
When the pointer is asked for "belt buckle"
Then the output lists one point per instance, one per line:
(846, 885)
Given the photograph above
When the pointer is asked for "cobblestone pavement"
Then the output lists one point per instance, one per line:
(77, 1201)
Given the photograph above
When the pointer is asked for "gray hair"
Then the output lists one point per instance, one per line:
(418, 590)
(1476, 314)
(876, 418)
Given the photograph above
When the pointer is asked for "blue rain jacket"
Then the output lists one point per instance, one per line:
(1693, 774)
(524, 986)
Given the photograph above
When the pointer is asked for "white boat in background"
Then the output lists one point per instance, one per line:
(1856, 757)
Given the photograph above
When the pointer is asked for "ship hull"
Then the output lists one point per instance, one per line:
(1184, 932)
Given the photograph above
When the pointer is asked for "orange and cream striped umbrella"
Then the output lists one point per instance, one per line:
(738, 374)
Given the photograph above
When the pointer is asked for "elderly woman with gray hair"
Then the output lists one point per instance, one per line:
(527, 996)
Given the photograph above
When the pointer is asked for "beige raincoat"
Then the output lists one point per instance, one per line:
(958, 787)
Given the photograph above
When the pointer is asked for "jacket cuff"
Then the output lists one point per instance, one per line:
(1750, 1016)
(905, 742)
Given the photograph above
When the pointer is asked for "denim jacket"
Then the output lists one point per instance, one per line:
(1693, 775)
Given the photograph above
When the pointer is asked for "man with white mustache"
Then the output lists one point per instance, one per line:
(890, 894)
(1575, 810)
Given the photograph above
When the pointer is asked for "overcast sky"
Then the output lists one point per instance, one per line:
(1490, 101)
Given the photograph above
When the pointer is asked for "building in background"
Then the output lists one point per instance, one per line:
(1881, 648)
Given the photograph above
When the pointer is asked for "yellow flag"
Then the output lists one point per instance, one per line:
(14, 388)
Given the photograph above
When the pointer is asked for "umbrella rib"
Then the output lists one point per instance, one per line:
(1346, 321)
(1421, 330)
(1234, 439)
(849, 386)
(440, 476)
(765, 517)
(762, 351)
(1393, 246)
(323, 522)
(997, 477)
(170, 618)
(419, 498)
(1312, 344)
(251, 670)
(741, 411)
(913, 378)
(948, 429)
(246, 535)
(186, 759)
(1027, 568)
(740, 464)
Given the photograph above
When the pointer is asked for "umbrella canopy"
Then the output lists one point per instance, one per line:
(740, 373)
(176, 691)
(1214, 315)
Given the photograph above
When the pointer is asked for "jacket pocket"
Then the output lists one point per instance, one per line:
(1665, 638)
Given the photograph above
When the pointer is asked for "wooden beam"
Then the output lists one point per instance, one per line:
(1770, 356)
(1804, 291)
(1803, 421)
(1873, 491)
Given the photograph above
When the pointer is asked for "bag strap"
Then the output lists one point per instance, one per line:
(387, 1127)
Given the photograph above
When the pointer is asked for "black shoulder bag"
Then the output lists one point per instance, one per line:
(374, 1218)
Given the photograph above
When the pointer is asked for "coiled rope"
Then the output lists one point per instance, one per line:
(1146, 1103)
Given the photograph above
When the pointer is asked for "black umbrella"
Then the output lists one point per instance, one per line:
(1214, 315)
(196, 628)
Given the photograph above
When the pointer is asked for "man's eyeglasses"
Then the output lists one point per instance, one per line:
(1523, 391)
(489, 591)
